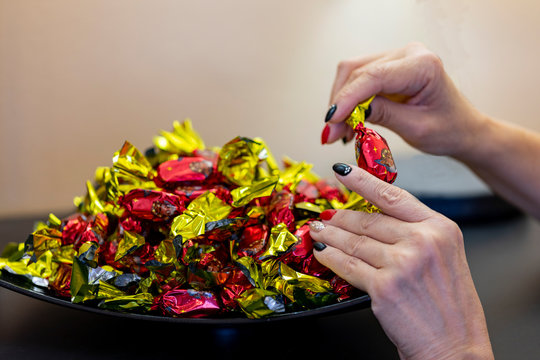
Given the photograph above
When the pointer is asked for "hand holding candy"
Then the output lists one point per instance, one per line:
(412, 263)
(415, 98)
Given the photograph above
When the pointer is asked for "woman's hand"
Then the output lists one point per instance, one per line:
(415, 98)
(411, 261)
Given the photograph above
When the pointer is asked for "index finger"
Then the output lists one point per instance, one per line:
(402, 77)
(392, 200)
(346, 67)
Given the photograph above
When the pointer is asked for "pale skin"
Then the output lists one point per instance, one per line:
(411, 259)
(418, 100)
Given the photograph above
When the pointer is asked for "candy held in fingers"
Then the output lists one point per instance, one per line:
(373, 155)
(371, 149)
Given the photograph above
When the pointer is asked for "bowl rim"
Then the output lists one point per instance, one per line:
(23, 286)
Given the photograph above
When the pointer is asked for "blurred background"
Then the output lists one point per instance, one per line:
(77, 78)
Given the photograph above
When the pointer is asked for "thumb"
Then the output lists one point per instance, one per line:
(392, 200)
(398, 117)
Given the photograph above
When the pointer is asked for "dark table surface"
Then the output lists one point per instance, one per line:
(504, 258)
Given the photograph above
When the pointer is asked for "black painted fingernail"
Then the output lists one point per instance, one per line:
(319, 246)
(330, 113)
(342, 169)
(344, 139)
(368, 112)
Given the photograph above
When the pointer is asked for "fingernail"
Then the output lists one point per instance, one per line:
(368, 112)
(344, 139)
(324, 135)
(342, 169)
(319, 246)
(316, 226)
(328, 214)
(330, 113)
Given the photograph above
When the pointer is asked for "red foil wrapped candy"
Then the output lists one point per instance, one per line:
(372, 151)
(153, 205)
(182, 232)
(188, 303)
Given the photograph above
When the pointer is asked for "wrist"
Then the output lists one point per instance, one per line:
(479, 140)
(466, 352)
(476, 352)
(472, 353)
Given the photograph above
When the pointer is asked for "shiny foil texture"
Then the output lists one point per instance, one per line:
(189, 231)
(371, 149)
(374, 156)
(185, 169)
(190, 303)
(152, 205)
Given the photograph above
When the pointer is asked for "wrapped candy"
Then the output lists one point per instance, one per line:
(187, 302)
(253, 240)
(189, 231)
(185, 169)
(372, 151)
(152, 205)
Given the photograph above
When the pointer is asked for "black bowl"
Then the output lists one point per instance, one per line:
(23, 286)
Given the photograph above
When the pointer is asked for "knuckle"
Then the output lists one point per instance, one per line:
(415, 45)
(391, 195)
(380, 114)
(349, 267)
(422, 241)
(423, 133)
(345, 66)
(452, 229)
(377, 71)
(428, 249)
(358, 243)
(432, 59)
(434, 242)
(410, 264)
(416, 49)
(348, 91)
(367, 221)
(418, 235)
(405, 259)
(356, 73)
(447, 231)
(387, 288)
(431, 62)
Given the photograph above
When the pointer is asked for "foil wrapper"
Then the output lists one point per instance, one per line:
(152, 205)
(188, 302)
(371, 149)
(189, 231)
(194, 169)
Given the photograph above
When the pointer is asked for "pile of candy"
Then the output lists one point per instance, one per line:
(188, 231)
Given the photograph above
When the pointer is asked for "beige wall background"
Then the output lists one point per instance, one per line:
(77, 78)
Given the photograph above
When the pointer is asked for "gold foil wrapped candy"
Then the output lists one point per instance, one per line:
(184, 230)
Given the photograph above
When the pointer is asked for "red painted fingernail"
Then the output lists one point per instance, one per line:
(324, 135)
(328, 214)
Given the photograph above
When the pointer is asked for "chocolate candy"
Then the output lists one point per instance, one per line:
(187, 231)
(371, 149)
